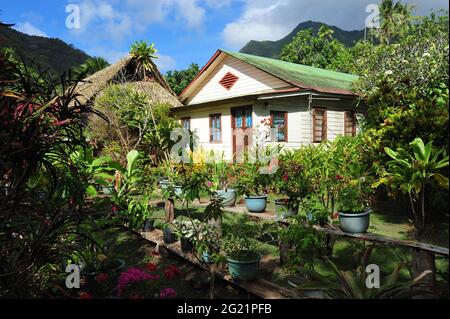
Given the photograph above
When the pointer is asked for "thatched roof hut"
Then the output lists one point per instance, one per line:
(126, 71)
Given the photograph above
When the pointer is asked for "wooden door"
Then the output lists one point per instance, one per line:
(242, 129)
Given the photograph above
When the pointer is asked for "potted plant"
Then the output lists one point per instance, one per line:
(354, 211)
(353, 200)
(206, 242)
(222, 176)
(291, 181)
(253, 185)
(147, 214)
(168, 235)
(239, 247)
(186, 231)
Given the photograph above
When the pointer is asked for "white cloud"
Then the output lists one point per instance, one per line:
(28, 28)
(272, 20)
(118, 19)
(165, 63)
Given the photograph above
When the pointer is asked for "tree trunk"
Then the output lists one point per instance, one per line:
(217, 223)
(422, 261)
(285, 248)
(170, 210)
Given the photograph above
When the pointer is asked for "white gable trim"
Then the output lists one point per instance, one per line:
(251, 81)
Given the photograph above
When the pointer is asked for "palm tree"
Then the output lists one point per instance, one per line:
(91, 66)
(395, 20)
(325, 33)
(143, 53)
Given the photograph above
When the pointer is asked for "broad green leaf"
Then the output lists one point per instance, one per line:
(442, 180)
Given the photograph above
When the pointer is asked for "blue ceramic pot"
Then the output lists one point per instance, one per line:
(228, 197)
(355, 223)
(244, 269)
(256, 204)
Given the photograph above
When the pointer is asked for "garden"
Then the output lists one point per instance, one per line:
(138, 225)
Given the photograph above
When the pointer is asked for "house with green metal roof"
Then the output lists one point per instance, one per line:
(236, 98)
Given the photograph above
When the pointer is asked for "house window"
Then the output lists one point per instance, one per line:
(215, 128)
(243, 118)
(186, 123)
(350, 123)
(319, 125)
(280, 121)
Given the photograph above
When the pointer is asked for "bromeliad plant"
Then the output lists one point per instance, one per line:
(345, 284)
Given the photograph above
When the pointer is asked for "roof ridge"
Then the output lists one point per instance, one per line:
(285, 62)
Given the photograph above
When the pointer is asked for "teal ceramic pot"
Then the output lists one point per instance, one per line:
(228, 197)
(284, 208)
(256, 204)
(244, 270)
(355, 223)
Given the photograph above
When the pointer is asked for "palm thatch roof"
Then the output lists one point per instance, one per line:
(126, 71)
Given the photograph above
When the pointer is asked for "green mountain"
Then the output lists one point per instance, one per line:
(53, 55)
(272, 49)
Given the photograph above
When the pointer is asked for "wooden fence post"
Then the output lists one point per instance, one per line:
(170, 210)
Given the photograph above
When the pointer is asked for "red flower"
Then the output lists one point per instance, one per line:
(85, 295)
(285, 178)
(339, 178)
(114, 208)
(102, 277)
(172, 272)
(151, 267)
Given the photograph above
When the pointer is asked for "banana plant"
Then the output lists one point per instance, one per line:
(95, 171)
(127, 180)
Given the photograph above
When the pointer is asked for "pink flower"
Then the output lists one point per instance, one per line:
(132, 275)
(285, 178)
(167, 293)
(102, 277)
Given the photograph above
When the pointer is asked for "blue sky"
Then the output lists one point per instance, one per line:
(184, 31)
